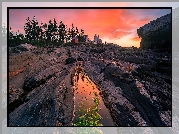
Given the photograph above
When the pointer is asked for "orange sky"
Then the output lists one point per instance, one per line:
(117, 26)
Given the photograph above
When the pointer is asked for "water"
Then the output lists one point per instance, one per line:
(84, 96)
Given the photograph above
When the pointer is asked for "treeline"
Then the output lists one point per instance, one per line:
(45, 34)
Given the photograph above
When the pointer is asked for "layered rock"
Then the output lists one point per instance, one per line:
(42, 94)
(157, 33)
(135, 85)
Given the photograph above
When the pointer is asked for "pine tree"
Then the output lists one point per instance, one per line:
(72, 31)
(49, 32)
(81, 36)
(62, 31)
(35, 29)
(66, 34)
(27, 29)
(54, 32)
(11, 38)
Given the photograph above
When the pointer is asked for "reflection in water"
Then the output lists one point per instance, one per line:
(84, 100)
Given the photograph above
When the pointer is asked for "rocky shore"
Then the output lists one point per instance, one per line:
(135, 84)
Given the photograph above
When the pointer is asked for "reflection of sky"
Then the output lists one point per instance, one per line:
(113, 27)
(84, 96)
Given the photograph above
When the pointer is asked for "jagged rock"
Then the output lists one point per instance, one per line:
(21, 48)
(41, 77)
(28, 47)
(48, 106)
(134, 84)
(156, 34)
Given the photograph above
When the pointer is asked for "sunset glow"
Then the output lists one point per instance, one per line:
(118, 26)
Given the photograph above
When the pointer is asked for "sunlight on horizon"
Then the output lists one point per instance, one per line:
(117, 26)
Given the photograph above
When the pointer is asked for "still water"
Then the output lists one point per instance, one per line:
(84, 95)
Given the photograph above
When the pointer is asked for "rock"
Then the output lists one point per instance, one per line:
(21, 60)
(41, 77)
(49, 106)
(146, 67)
(14, 94)
(111, 70)
(133, 88)
(70, 60)
(125, 75)
(156, 34)
(80, 59)
(22, 48)
(28, 47)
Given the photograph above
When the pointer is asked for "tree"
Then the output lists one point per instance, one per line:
(62, 31)
(15, 38)
(10, 33)
(41, 34)
(69, 35)
(66, 34)
(35, 29)
(27, 29)
(11, 38)
(54, 32)
(72, 31)
(81, 36)
(49, 32)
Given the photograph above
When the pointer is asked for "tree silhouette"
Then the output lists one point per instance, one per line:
(41, 33)
(15, 38)
(50, 33)
(54, 31)
(73, 31)
(35, 29)
(10, 33)
(81, 36)
(62, 31)
(68, 35)
(27, 29)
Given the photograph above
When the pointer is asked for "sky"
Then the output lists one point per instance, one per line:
(118, 26)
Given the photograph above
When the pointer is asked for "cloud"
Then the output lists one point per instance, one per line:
(135, 39)
(113, 24)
